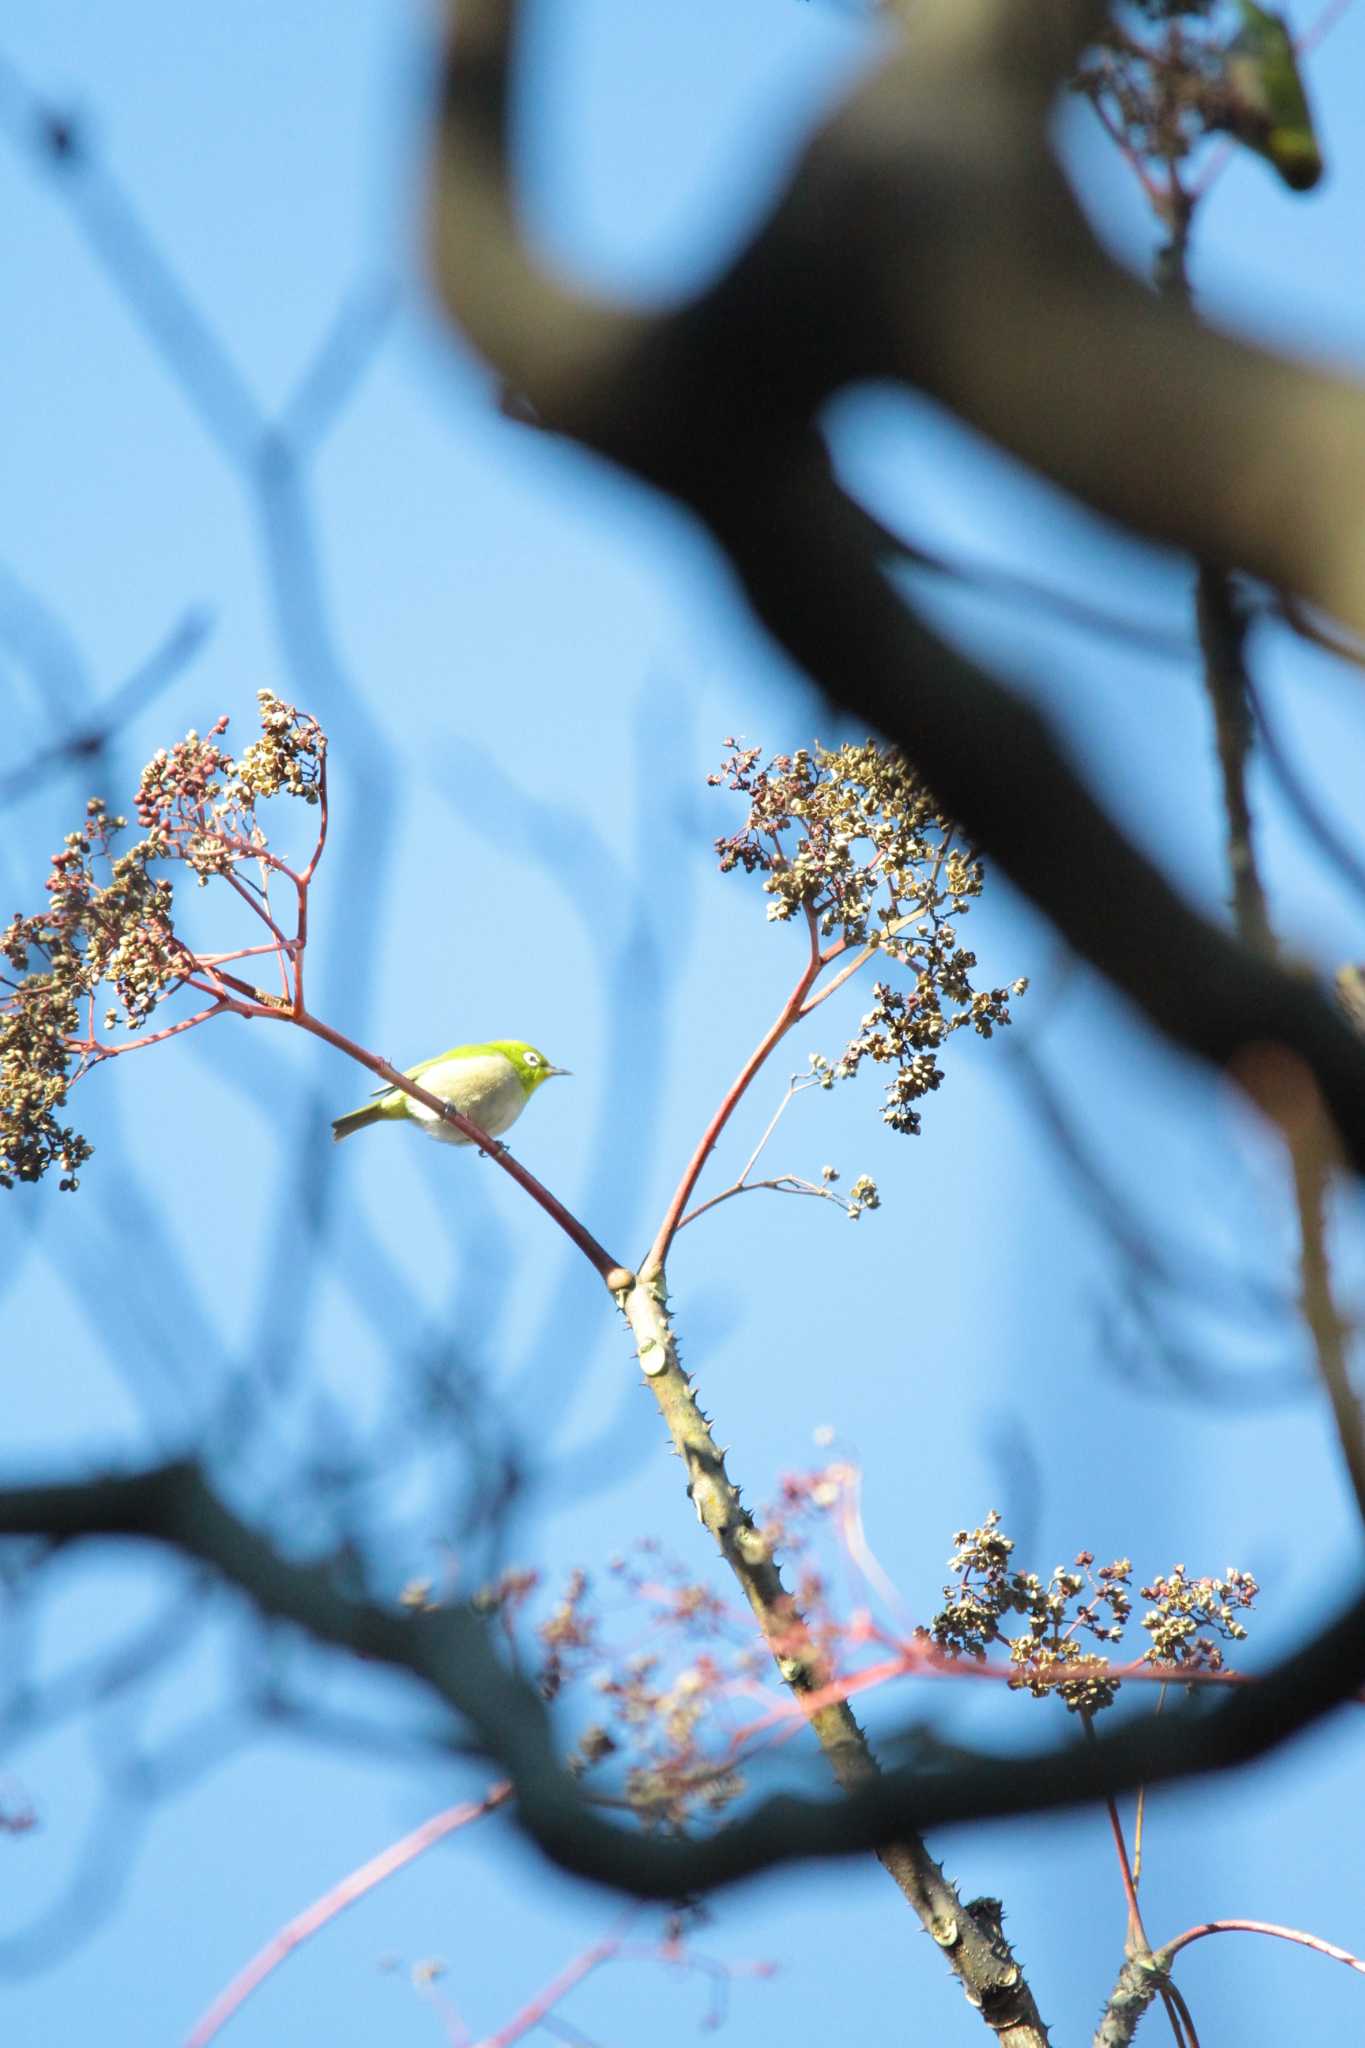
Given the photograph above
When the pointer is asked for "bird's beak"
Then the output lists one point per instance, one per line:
(558, 1070)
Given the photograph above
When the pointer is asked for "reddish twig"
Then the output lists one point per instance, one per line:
(789, 1015)
(781, 1184)
(301, 883)
(615, 1948)
(96, 1049)
(1136, 1932)
(558, 1988)
(334, 1901)
(1295, 1934)
(1180, 2017)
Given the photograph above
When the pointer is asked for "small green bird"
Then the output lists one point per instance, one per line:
(1267, 107)
(491, 1084)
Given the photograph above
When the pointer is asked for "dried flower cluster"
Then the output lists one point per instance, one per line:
(659, 1709)
(1184, 1606)
(904, 1028)
(851, 839)
(862, 1194)
(680, 1716)
(108, 923)
(870, 845)
(1050, 1654)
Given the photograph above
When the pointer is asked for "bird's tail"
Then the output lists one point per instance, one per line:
(343, 1126)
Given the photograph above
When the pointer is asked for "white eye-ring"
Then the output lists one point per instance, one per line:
(533, 1059)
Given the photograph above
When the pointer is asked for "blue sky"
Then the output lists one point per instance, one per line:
(527, 667)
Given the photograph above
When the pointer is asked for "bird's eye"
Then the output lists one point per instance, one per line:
(533, 1059)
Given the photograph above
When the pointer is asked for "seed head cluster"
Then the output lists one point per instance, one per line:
(658, 1713)
(107, 927)
(1183, 1606)
(851, 838)
(1076, 1607)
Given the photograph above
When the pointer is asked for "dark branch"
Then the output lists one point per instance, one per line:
(451, 1652)
(923, 225)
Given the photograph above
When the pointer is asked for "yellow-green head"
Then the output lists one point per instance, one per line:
(489, 1083)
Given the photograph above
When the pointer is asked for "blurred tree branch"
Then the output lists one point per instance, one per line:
(452, 1653)
(923, 223)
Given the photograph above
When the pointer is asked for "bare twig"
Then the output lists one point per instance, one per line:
(1270, 1927)
(782, 1183)
(787, 1017)
(333, 1901)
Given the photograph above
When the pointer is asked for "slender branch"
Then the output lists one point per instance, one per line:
(103, 1051)
(348, 347)
(1178, 2013)
(1295, 1934)
(714, 1201)
(206, 974)
(1155, 197)
(1147, 1974)
(536, 2010)
(795, 1087)
(238, 953)
(283, 945)
(301, 883)
(1310, 1148)
(244, 848)
(858, 962)
(217, 981)
(742, 1184)
(1222, 634)
(1140, 1816)
(782, 1184)
(1004, 583)
(1126, 1870)
(334, 1901)
(859, 959)
(786, 1017)
(812, 925)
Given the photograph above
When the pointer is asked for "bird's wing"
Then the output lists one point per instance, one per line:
(423, 1066)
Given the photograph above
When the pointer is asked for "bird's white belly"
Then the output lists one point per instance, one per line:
(486, 1089)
